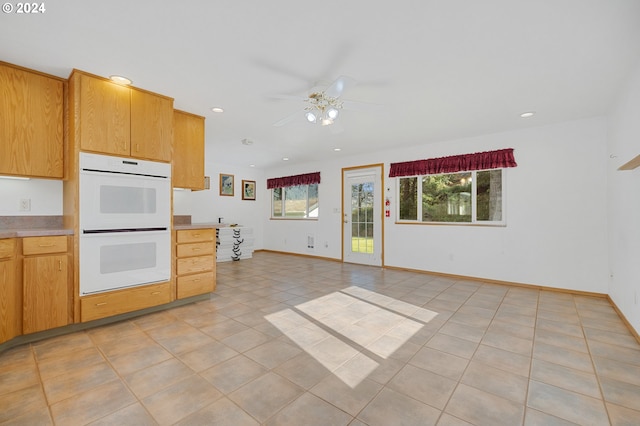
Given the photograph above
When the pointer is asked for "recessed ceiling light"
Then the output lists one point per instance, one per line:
(217, 109)
(337, 149)
(285, 158)
(118, 79)
(252, 165)
(527, 114)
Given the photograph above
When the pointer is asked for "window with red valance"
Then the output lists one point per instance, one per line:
(295, 180)
(456, 163)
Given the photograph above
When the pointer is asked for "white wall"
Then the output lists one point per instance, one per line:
(624, 202)
(556, 233)
(45, 196)
(208, 205)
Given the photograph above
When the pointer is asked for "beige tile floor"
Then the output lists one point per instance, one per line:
(288, 340)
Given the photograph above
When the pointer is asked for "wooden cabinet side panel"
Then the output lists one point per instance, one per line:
(188, 151)
(151, 126)
(31, 124)
(10, 300)
(46, 293)
(105, 116)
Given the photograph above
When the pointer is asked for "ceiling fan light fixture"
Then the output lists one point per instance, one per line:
(332, 113)
(311, 117)
(326, 121)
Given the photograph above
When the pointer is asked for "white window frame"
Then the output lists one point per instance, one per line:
(283, 201)
(474, 207)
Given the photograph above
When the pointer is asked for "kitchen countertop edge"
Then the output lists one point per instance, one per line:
(200, 226)
(34, 232)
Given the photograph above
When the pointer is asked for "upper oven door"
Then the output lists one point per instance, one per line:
(123, 201)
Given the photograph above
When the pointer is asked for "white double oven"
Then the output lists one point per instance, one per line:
(125, 222)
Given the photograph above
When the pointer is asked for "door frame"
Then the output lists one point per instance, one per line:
(381, 201)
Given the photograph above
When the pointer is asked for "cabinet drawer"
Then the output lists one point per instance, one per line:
(195, 235)
(44, 245)
(7, 248)
(118, 302)
(195, 249)
(192, 265)
(192, 285)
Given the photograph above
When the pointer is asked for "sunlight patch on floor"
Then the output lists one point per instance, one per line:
(336, 327)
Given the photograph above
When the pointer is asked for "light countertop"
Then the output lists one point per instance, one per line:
(34, 232)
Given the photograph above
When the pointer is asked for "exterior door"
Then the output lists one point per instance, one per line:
(362, 215)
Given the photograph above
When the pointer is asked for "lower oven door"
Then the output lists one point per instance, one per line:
(110, 261)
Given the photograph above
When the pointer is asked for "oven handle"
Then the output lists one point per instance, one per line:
(122, 230)
(96, 172)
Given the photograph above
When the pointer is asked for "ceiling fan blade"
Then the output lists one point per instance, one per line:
(289, 97)
(338, 87)
(289, 119)
(361, 106)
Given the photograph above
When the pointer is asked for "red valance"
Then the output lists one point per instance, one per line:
(455, 163)
(283, 182)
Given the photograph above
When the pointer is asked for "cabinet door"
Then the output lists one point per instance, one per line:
(9, 301)
(105, 116)
(188, 151)
(46, 293)
(151, 126)
(31, 123)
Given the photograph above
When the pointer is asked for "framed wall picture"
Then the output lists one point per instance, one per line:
(248, 189)
(226, 184)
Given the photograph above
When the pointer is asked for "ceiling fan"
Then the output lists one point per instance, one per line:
(324, 105)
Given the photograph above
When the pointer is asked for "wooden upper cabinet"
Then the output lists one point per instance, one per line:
(119, 120)
(31, 123)
(151, 126)
(188, 150)
(105, 116)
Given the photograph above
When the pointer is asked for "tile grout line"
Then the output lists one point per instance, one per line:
(593, 363)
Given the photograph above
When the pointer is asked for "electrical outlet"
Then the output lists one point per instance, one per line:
(25, 205)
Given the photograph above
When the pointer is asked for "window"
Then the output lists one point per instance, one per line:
(295, 202)
(464, 197)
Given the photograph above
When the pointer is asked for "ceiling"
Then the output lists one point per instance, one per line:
(439, 70)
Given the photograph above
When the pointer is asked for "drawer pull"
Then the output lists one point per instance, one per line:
(196, 280)
(101, 304)
(155, 293)
(196, 235)
(59, 265)
(196, 249)
(46, 245)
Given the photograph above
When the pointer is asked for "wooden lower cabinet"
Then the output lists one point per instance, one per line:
(122, 301)
(10, 291)
(195, 262)
(46, 283)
